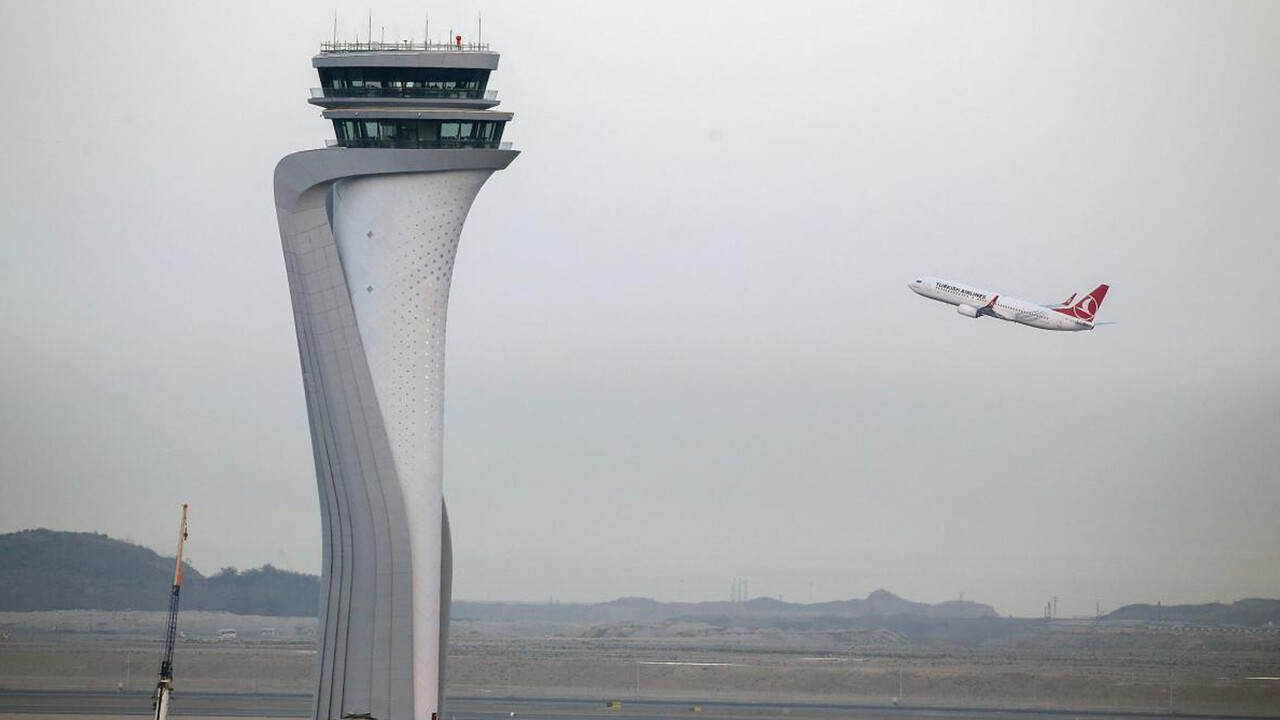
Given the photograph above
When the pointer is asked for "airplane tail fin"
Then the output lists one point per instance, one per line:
(1088, 306)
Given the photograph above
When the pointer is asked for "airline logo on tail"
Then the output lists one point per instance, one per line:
(1088, 306)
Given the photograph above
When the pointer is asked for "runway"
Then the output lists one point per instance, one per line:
(35, 703)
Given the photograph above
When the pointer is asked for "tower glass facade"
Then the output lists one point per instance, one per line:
(403, 82)
(401, 133)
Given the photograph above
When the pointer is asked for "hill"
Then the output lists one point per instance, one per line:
(756, 613)
(1254, 612)
(53, 570)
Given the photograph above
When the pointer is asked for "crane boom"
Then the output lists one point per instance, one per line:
(164, 687)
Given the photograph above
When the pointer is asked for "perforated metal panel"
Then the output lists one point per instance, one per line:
(397, 236)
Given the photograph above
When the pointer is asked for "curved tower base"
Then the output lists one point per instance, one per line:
(369, 241)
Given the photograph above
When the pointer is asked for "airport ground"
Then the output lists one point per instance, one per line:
(38, 705)
(65, 663)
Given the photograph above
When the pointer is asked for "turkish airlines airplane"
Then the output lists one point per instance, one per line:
(972, 302)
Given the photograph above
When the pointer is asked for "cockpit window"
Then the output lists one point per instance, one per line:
(918, 281)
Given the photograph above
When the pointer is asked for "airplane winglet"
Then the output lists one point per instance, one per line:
(1067, 302)
(992, 305)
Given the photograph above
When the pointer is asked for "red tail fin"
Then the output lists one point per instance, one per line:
(1088, 306)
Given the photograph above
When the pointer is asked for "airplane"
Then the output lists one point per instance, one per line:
(973, 302)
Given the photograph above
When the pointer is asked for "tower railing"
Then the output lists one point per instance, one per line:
(401, 46)
(394, 92)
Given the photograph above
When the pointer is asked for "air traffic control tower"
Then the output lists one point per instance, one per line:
(370, 227)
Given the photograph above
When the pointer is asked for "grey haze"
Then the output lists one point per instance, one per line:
(681, 350)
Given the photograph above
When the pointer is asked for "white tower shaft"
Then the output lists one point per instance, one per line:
(397, 236)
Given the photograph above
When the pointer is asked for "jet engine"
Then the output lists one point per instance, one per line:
(967, 310)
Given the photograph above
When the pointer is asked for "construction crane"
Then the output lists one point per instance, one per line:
(164, 688)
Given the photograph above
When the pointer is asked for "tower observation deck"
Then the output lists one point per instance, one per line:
(370, 227)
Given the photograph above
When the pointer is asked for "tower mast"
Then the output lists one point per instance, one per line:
(164, 687)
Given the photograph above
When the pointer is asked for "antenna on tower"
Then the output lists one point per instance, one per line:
(479, 27)
(426, 30)
(335, 28)
(370, 35)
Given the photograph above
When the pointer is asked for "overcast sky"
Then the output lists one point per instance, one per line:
(681, 349)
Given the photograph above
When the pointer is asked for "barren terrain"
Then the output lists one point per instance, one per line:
(970, 662)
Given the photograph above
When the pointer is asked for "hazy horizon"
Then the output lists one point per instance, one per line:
(681, 349)
(968, 599)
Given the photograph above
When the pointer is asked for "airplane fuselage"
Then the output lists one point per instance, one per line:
(975, 302)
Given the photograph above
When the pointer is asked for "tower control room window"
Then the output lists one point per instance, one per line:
(404, 82)
(396, 133)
